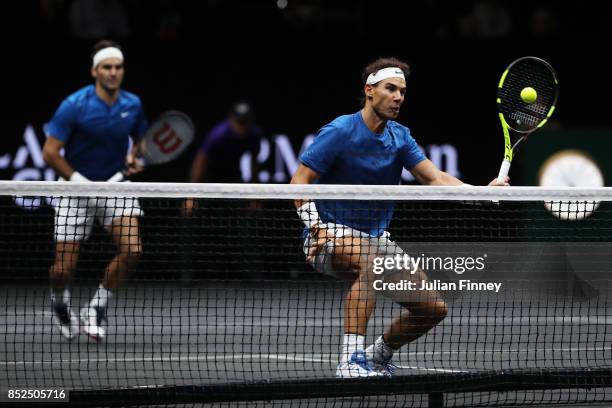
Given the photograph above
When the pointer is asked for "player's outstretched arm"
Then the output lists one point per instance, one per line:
(427, 173)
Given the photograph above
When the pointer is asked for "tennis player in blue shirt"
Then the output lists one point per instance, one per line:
(343, 236)
(93, 126)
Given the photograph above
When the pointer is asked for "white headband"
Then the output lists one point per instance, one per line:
(385, 73)
(104, 53)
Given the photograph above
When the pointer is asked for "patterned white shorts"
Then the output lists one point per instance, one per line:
(74, 216)
(323, 260)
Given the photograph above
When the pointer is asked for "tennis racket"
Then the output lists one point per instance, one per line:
(526, 98)
(168, 137)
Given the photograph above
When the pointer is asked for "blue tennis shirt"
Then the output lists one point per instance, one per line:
(346, 151)
(96, 135)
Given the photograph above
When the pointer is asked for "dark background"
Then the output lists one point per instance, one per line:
(301, 66)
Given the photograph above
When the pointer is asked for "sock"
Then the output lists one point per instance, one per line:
(60, 296)
(379, 351)
(351, 343)
(101, 297)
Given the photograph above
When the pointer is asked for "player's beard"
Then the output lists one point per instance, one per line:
(385, 116)
(111, 90)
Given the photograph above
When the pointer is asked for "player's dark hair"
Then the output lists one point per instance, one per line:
(100, 45)
(379, 64)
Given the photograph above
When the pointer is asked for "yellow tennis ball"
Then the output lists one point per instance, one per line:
(529, 95)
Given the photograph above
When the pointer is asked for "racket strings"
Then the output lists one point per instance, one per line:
(529, 72)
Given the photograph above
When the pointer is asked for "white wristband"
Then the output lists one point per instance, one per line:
(309, 215)
(76, 176)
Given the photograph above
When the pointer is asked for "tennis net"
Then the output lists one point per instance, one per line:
(219, 307)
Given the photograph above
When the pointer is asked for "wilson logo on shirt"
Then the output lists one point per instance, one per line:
(124, 115)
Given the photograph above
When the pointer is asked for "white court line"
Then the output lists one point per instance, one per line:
(335, 361)
(507, 351)
(237, 359)
(286, 357)
(584, 320)
(169, 359)
(451, 320)
(438, 370)
(254, 322)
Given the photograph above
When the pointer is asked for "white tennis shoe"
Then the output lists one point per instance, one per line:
(382, 365)
(65, 321)
(358, 366)
(91, 322)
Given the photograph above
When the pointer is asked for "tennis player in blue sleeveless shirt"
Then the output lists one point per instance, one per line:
(341, 236)
(94, 126)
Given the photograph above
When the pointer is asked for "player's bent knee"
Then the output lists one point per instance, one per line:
(434, 311)
(60, 272)
(438, 310)
(134, 251)
(360, 270)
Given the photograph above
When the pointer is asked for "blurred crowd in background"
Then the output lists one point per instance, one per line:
(174, 20)
(298, 63)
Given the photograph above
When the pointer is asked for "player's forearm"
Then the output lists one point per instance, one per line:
(299, 179)
(59, 164)
(303, 175)
(435, 177)
(306, 209)
(445, 179)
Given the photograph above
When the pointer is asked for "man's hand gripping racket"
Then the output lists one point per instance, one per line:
(168, 137)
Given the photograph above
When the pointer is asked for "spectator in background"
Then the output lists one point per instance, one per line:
(218, 158)
(169, 21)
(99, 18)
(487, 19)
(51, 17)
(218, 161)
(543, 23)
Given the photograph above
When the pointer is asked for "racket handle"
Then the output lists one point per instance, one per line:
(503, 171)
(117, 177)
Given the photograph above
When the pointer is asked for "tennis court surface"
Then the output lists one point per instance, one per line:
(221, 309)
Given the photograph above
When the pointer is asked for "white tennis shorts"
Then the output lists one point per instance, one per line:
(323, 260)
(74, 216)
(382, 247)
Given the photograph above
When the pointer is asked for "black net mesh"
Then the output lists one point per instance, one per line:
(219, 307)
